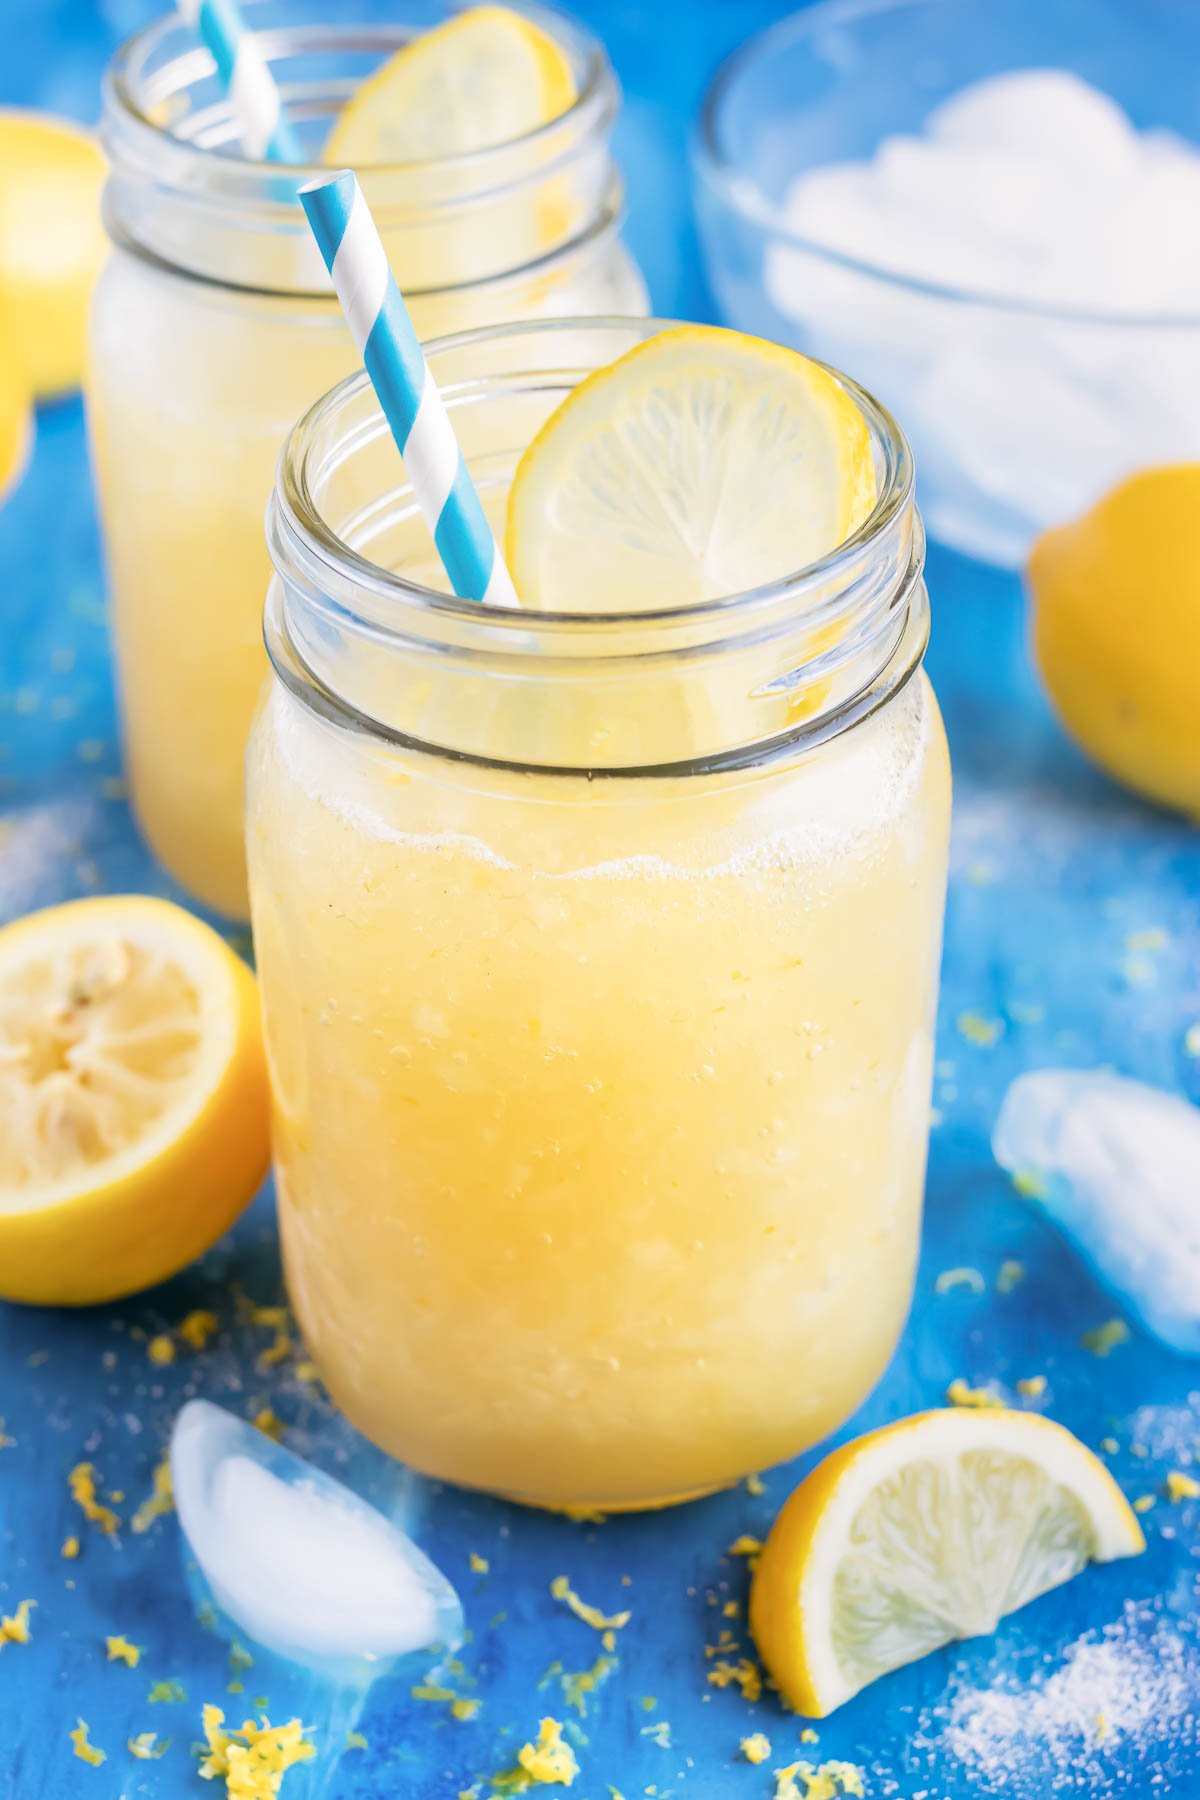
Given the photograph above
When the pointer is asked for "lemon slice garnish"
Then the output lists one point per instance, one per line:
(133, 1097)
(700, 464)
(51, 242)
(929, 1530)
(484, 78)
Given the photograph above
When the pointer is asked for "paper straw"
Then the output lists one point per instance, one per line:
(265, 132)
(380, 325)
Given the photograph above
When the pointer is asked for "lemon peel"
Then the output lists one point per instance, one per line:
(561, 1589)
(81, 1481)
(14, 1627)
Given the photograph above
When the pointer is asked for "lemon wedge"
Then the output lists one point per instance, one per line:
(485, 77)
(133, 1097)
(699, 465)
(929, 1530)
(51, 242)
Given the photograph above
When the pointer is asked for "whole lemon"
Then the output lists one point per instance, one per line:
(51, 242)
(1116, 631)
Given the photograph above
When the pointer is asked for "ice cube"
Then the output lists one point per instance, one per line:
(1117, 1165)
(1049, 113)
(298, 1562)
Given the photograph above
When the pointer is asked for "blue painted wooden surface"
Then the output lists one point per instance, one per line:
(1054, 870)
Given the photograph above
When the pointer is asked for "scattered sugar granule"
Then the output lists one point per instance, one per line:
(147, 1746)
(82, 1482)
(166, 1693)
(756, 1748)
(1105, 1337)
(477, 1564)
(561, 1589)
(161, 1349)
(809, 1736)
(949, 1279)
(959, 1394)
(14, 1628)
(198, 1327)
(1109, 1445)
(579, 1684)
(1181, 1486)
(1032, 1386)
(84, 1750)
(983, 1033)
(742, 1674)
(70, 1548)
(268, 1422)
(121, 1650)
(549, 1761)
(1137, 1675)
(254, 1760)
(1010, 1276)
(159, 1501)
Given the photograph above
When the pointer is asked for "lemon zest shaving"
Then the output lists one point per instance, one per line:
(70, 1548)
(147, 1746)
(742, 1674)
(84, 1750)
(949, 1279)
(959, 1394)
(1105, 1337)
(254, 1760)
(1032, 1386)
(561, 1589)
(166, 1692)
(477, 1564)
(1010, 1276)
(269, 1423)
(549, 1760)
(355, 1740)
(161, 1350)
(14, 1628)
(1181, 1486)
(977, 1030)
(159, 1501)
(1029, 1184)
(198, 1327)
(1143, 1503)
(82, 1482)
(756, 1748)
(121, 1650)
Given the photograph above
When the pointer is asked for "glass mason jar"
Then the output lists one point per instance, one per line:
(599, 958)
(214, 327)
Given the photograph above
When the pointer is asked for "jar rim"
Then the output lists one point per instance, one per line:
(296, 513)
(596, 95)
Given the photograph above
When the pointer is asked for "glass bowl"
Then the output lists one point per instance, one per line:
(1020, 414)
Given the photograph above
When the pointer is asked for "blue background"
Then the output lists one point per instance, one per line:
(1054, 871)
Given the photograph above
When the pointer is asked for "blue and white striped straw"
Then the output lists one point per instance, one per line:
(262, 123)
(380, 325)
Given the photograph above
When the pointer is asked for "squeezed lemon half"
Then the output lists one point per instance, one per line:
(51, 242)
(133, 1095)
(700, 464)
(926, 1531)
